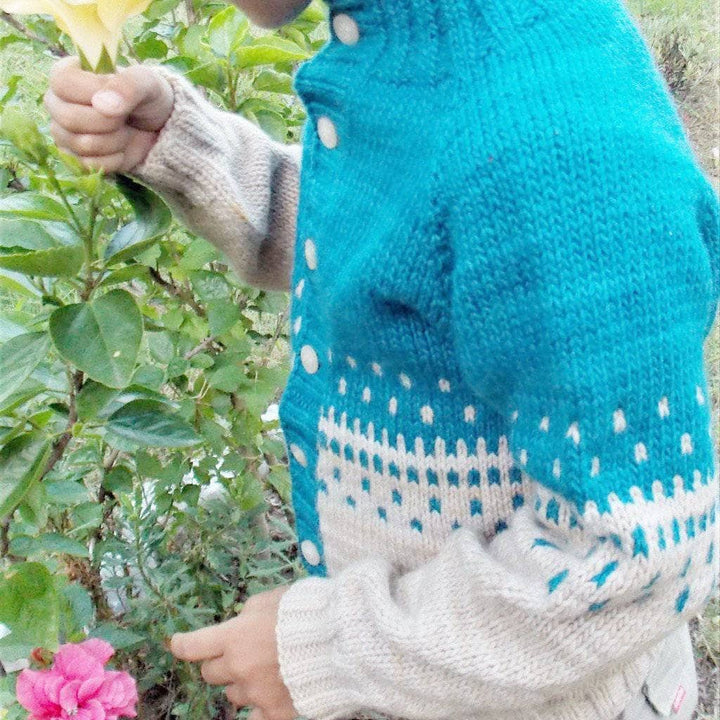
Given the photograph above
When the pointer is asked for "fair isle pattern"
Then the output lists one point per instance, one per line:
(416, 494)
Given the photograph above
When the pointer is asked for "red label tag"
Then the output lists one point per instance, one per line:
(679, 699)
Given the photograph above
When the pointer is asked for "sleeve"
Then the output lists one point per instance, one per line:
(578, 314)
(229, 182)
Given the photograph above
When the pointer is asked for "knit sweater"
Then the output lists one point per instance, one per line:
(506, 261)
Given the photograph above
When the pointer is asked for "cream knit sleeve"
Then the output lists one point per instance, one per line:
(228, 182)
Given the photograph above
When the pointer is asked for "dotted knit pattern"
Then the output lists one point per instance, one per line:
(499, 429)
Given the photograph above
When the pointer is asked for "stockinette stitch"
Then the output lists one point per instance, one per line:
(506, 260)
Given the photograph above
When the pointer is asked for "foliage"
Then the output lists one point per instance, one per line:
(141, 490)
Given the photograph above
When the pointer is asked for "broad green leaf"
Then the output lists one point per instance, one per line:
(17, 284)
(101, 338)
(56, 543)
(226, 30)
(18, 358)
(22, 462)
(33, 205)
(29, 607)
(125, 274)
(25, 234)
(268, 51)
(149, 423)
(66, 492)
(152, 219)
(10, 329)
(54, 262)
(271, 81)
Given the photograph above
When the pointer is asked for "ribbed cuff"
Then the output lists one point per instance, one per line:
(307, 627)
(176, 157)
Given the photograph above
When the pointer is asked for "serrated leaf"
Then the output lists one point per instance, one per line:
(54, 262)
(33, 205)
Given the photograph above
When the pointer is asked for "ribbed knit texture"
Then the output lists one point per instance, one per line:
(497, 417)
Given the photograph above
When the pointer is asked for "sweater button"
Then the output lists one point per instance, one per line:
(310, 552)
(310, 254)
(309, 359)
(299, 454)
(327, 132)
(346, 29)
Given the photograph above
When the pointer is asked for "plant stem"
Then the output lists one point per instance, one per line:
(54, 182)
(14, 22)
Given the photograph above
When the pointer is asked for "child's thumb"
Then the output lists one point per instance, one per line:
(136, 91)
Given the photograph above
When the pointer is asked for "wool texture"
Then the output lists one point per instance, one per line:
(506, 261)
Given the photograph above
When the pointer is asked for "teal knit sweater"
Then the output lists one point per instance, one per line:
(498, 421)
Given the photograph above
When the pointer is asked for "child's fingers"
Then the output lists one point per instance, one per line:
(72, 84)
(91, 144)
(216, 672)
(79, 118)
(204, 644)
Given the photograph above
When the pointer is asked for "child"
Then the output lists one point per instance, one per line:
(503, 260)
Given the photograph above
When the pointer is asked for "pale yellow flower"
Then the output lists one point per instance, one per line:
(92, 26)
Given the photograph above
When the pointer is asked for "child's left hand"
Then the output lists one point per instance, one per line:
(242, 654)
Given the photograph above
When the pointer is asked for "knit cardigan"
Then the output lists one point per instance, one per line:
(504, 261)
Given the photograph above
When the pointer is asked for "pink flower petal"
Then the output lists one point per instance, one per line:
(75, 663)
(69, 696)
(37, 691)
(92, 710)
(119, 694)
(99, 649)
(90, 687)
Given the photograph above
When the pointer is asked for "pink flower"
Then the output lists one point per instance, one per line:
(77, 686)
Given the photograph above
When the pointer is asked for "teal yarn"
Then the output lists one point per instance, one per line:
(513, 240)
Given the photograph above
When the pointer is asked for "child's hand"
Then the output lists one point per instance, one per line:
(242, 654)
(108, 121)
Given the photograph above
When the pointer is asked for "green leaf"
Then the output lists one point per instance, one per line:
(222, 315)
(29, 606)
(25, 234)
(269, 50)
(33, 205)
(226, 30)
(118, 480)
(54, 262)
(118, 637)
(22, 462)
(271, 81)
(152, 220)
(22, 131)
(18, 358)
(102, 337)
(148, 423)
(56, 543)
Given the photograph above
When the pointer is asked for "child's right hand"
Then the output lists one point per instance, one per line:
(107, 121)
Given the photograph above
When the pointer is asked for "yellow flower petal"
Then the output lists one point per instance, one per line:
(114, 13)
(82, 24)
(24, 7)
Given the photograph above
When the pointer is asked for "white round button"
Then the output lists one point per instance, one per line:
(310, 254)
(310, 552)
(327, 132)
(298, 454)
(309, 359)
(346, 29)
